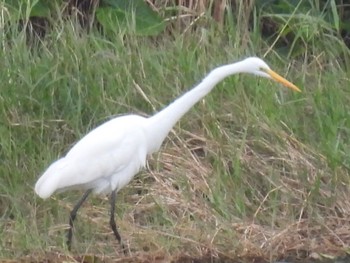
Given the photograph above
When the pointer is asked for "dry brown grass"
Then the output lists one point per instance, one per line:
(178, 189)
(189, 11)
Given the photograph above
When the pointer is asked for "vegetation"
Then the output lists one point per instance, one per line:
(36, 16)
(251, 172)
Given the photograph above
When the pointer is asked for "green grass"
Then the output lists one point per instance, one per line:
(251, 164)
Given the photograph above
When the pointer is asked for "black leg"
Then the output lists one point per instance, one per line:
(72, 217)
(112, 221)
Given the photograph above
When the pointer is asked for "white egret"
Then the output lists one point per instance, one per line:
(108, 157)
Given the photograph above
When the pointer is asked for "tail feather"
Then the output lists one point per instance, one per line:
(49, 182)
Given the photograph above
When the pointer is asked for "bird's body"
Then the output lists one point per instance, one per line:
(108, 157)
(104, 160)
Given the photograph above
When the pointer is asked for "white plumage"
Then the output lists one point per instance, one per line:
(105, 159)
(108, 157)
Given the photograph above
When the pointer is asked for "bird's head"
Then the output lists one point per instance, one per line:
(258, 67)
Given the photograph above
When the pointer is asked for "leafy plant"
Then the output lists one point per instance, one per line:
(296, 25)
(129, 15)
(135, 15)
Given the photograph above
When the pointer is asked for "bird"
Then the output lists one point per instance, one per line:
(107, 158)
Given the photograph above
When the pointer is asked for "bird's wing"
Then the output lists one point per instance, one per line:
(104, 152)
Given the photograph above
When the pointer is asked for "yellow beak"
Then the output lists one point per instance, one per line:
(282, 80)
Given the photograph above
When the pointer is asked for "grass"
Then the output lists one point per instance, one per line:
(252, 171)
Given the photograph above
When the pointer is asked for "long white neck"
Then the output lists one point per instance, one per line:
(161, 123)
